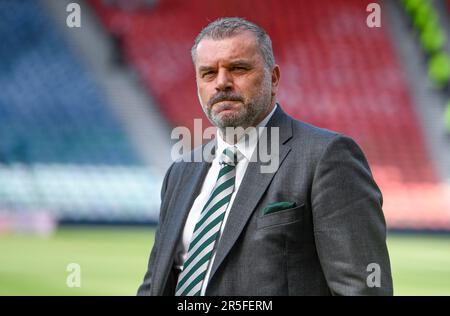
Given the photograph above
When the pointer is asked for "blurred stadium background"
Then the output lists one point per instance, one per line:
(86, 117)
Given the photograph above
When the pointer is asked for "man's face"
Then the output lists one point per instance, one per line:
(234, 86)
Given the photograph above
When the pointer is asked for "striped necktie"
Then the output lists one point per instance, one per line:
(207, 230)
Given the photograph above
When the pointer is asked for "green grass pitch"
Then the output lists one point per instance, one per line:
(113, 262)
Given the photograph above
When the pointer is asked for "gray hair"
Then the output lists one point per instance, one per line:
(228, 27)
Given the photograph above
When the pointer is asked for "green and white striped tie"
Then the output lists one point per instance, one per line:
(207, 230)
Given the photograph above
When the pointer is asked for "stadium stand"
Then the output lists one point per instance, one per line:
(62, 149)
(62, 117)
(336, 73)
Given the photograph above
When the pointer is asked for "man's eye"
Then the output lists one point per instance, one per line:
(208, 74)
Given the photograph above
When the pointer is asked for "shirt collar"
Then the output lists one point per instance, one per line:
(248, 150)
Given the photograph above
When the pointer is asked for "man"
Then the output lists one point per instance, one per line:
(313, 226)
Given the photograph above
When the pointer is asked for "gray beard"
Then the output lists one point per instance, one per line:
(251, 113)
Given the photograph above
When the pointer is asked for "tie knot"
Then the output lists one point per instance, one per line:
(230, 156)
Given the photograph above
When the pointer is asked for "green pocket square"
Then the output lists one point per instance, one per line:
(277, 206)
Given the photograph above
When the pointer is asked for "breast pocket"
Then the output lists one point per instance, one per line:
(283, 217)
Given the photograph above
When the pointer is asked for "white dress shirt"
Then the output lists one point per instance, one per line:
(206, 190)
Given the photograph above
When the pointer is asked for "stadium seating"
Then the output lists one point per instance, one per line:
(61, 149)
(336, 73)
(50, 108)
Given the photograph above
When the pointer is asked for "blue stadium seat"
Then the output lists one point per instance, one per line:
(62, 150)
(49, 103)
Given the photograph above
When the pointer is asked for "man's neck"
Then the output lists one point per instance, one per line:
(233, 135)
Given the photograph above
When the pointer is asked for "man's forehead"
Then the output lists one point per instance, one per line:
(241, 46)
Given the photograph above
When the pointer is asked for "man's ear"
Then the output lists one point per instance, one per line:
(275, 79)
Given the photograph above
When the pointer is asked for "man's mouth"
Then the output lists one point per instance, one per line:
(224, 105)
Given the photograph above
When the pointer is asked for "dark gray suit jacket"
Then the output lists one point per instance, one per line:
(322, 246)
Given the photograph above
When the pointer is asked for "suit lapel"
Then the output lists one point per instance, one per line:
(253, 186)
(196, 173)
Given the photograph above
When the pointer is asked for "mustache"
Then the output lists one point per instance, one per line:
(224, 96)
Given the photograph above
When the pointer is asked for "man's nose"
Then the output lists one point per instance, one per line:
(224, 80)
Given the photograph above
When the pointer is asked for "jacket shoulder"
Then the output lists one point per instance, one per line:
(316, 141)
(311, 135)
